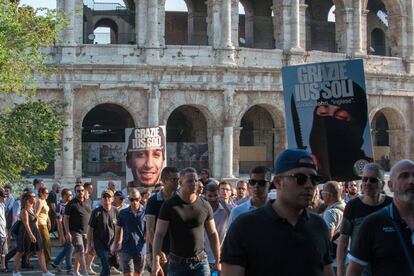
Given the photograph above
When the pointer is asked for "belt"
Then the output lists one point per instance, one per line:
(181, 260)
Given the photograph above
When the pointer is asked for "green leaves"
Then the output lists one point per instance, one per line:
(29, 136)
(24, 32)
(31, 132)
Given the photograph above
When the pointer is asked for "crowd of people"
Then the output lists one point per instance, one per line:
(282, 222)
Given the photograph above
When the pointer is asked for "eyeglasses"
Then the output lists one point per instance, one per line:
(371, 179)
(302, 178)
(134, 199)
(261, 182)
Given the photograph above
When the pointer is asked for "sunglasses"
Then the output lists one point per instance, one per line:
(134, 199)
(80, 191)
(370, 179)
(302, 178)
(261, 182)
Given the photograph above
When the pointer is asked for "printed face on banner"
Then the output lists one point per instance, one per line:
(326, 114)
(145, 155)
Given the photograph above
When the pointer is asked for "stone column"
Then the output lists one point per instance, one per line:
(282, 23)
(236, 150)
(360, 29)
(152, 42)
(70, 13)
(302, 25)
(140, 22)
(226, 42)
(153, 106)
(68, 153)
(217, 152)
(215, 28)
(348, 43)
(295, 25)
(227, 171)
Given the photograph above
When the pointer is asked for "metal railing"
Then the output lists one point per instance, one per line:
(103, 6)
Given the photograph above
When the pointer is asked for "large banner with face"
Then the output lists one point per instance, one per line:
(326, 114)
(145, 155)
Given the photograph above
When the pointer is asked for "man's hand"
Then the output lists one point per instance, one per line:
(163, 258)
(69, 237)
(217, 267)
(116, 247)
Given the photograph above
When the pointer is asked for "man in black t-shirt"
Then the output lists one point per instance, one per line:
(281, 238)
(358, 208)
(169, 177)
(101, 230)
(186, 216)
(77, 214)
(385, 239)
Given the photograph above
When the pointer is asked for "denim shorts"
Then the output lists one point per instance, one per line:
(132, 263)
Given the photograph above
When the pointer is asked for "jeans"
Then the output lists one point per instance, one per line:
(67, 253)
(189, 269)
(103, 256)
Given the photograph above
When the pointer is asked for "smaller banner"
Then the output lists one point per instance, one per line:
(327, 114)
(145, 155)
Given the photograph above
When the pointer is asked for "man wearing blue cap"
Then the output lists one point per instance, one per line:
(281, 238)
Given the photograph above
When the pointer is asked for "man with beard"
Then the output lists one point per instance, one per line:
(386, 237)
(145, 160)
(282, 238)
(351, 188)
(337, 134)
(259, 183)
(357, 209)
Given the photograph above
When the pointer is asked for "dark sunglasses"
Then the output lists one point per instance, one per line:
(371, 179)
(134, 199)
(302, 178)
(261, 182)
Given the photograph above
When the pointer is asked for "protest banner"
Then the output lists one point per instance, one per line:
(145, 155)
(327, 114)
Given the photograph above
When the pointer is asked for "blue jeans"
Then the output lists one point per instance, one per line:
(67, 253)
(189, 269)
(103, 256)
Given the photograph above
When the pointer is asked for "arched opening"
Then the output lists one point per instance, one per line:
(105, 32)
(378, 42)
(103, 139)
(187, 143)
(256, 139)
(377, 29)
(256, 24)
(381, 140)
(176, 22)
(320, 26)
(115, 22)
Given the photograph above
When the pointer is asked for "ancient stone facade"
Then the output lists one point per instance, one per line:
(223, 87)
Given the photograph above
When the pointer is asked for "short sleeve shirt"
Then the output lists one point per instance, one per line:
(186, 226)
(355, 212)
(266, 244)
(79, 214)
(153, 209)
(378, 244)
(133, 226)
(103, 223)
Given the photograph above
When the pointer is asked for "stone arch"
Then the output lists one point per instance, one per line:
(187, 138)
(112, 25)
(321, 34)
(256, 26)
(388, 155)
(396, 28)
(378, 41)
(103, 138)
(261, 136)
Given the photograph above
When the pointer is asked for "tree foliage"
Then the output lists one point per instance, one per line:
(30, 132)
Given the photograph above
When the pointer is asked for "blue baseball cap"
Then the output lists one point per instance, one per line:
(292, 159)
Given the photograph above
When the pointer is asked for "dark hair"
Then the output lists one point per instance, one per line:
(333, 188)
(87, 185)
(188, 170)
(25, 197)
(262, 170)
(7, 186)
(207, 171)
(168, 170)
(212, 187)
(65, 191)
(42, 190)
(36, 181)
(222, 183)
(77, 186)
(132, 136)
